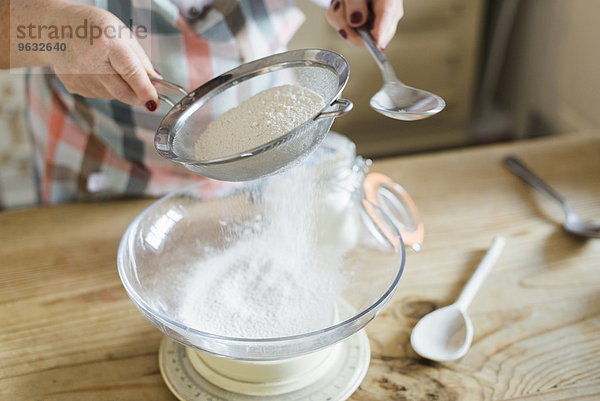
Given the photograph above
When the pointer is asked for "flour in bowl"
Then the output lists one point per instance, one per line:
(262, 118)
(275, 278)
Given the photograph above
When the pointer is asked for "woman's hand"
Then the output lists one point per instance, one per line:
(345, 15)
(112, 67)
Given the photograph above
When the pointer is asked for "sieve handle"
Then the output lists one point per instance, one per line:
(166, 88)
(343, 106)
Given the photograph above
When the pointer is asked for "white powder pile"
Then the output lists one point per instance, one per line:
(276, 280)
(262, 118)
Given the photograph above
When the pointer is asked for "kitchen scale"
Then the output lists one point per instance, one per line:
(336, 377)
(360, 215)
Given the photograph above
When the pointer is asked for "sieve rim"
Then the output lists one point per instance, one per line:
(175, 119)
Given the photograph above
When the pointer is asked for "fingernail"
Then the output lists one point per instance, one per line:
(356, 17)
(382, 48)
(156, 71)
(151, 105)
(336, 5)
(343, 34)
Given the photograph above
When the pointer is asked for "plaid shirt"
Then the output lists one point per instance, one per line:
(87, 149)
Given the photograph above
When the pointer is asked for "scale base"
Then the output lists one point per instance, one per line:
(337, 383)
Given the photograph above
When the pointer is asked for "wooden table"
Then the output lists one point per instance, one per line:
(69, 332)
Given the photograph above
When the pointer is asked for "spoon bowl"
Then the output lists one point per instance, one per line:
(446, 333)
(395, 99)
(574, 223)
(401, 102)
(443, 335)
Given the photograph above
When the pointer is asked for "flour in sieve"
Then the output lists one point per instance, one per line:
(276, 280)
(262, 118)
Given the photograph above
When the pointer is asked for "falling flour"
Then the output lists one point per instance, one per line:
(275, 280)
(262, 118)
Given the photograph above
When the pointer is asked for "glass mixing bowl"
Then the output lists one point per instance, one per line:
(156, 250)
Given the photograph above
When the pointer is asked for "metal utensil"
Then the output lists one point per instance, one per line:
(322, 71)
(446, 333)
(395, 99)
(166, 88)
(574, 223)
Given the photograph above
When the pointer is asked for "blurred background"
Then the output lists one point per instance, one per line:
(508, 70)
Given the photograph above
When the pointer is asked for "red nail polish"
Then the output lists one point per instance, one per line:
(151, 105)
(382, 48)
(156, 71)
(356, 17)
(343, 34)
(336, 5)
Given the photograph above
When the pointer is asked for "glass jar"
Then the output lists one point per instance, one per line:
(348, 186)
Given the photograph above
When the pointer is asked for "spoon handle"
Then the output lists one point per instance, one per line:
(382, 62)
(521, 170)
(485, 266)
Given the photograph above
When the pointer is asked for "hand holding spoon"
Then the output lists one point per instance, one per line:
(446, 333)
(396, 100)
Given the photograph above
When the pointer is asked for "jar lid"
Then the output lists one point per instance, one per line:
(398, 206)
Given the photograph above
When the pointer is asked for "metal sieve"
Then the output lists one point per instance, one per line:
(322, 71)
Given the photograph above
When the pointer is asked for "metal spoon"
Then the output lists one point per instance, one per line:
(574, 223)
(394, 99)
(446, 333)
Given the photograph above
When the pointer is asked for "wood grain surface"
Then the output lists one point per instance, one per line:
(68, 331)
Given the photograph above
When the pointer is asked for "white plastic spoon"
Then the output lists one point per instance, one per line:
(446, 333)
